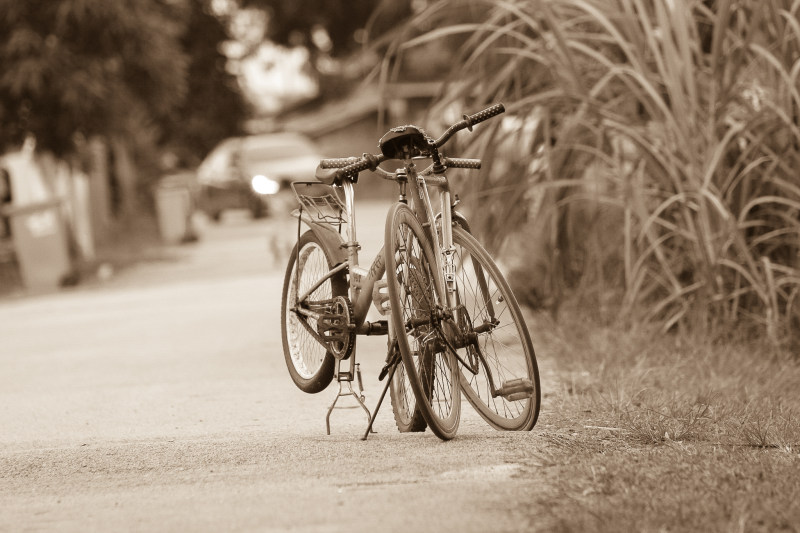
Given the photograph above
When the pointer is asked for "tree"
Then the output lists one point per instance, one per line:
(72, 67)
(138, 75)
(213, 107)
(295, 23)
(330, 29)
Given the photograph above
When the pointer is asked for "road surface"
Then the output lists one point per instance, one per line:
(159, 400)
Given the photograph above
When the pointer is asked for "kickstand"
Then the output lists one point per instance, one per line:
(392, 366)
(347, 377)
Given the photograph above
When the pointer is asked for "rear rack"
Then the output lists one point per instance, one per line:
(322, 203)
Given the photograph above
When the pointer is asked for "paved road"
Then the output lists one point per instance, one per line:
(159, 401)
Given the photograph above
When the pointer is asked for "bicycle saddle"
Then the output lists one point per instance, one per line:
(402, 140)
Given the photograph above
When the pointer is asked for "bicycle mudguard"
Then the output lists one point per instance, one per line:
(330, 240)
(458, 219)
(461, 220)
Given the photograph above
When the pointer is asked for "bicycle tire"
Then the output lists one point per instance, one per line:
(501, 346)
(407, 417)
(310, 363)
(415, 293)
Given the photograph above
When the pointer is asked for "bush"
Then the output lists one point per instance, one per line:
(651, 147)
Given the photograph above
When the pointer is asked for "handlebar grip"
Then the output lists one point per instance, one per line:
(338, 162)
(359, 164)
(353, 168)
(486, 114)
(457, 162)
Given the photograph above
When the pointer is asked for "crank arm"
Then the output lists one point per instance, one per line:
(307, 313)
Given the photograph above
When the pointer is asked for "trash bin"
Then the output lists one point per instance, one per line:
(173, 209)
(40, 244)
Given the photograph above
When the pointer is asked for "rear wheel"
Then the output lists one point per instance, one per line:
(404, 404)
(499, 374)
(415, 294)
(310, 363)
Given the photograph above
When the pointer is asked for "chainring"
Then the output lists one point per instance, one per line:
(334, 326)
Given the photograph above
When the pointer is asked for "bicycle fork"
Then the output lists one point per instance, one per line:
(444, 250)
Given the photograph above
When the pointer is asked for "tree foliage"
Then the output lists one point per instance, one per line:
(294, 23)
(94, 67)
(214, 107)
(78, 66)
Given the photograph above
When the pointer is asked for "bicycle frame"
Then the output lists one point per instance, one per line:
(361, 281)
(444, 249)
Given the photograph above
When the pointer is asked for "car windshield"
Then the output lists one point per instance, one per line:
(267, 152)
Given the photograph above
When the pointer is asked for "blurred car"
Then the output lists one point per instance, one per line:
(254, 172)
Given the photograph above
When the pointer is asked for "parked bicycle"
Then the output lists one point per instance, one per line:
(452, 322)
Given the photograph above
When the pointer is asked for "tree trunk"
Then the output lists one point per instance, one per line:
(125, 172)
(99, 190)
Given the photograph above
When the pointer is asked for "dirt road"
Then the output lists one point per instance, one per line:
(160, 401)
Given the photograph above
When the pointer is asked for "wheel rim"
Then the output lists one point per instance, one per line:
(307, 355)
(502, 346)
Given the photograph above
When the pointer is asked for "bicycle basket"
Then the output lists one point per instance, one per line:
(323, 203)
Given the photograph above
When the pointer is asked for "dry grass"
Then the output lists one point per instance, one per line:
(647, 432)
(677, 487)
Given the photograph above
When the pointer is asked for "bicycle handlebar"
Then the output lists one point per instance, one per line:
(469, 121)
(338, 162)
(354, 165)
(457, 162)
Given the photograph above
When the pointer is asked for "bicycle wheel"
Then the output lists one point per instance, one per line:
(310, 363)
(415, 292)
(499, 374)
(404, 404)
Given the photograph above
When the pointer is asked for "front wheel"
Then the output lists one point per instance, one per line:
(499, 374)
(310, 363)
(415, 293)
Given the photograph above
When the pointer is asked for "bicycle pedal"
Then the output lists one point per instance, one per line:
(380, 297)
(516, 389)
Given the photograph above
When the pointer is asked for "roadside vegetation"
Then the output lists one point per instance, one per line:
(648, 156)
(646, 432)
(647, 169)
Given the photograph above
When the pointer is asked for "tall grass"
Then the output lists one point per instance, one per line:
(650, 150)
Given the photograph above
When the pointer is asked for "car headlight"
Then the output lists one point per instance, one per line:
(264, 185)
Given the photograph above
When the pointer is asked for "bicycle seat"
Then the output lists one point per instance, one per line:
(405, 140)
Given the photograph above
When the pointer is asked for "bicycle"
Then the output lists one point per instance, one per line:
(453, 322)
